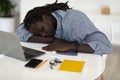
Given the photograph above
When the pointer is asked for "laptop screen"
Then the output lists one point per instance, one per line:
(10, 46)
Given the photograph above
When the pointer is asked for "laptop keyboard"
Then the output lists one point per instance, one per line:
(28, 56)
(31, 53)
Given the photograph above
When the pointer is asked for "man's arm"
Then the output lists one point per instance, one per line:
(96, 43)
(63, 45)
(39, 39)
(85, 48)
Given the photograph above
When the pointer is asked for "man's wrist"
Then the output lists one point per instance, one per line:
(75, 46)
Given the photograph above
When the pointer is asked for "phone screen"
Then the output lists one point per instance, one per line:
(33, 63)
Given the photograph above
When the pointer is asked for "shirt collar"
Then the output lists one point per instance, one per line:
(59, 15)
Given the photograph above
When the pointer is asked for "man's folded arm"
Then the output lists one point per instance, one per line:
(39, 39)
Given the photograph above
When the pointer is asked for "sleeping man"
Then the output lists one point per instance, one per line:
(65, 29)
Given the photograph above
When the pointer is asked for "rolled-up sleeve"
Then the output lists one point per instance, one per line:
(99, 42)
(22, 33)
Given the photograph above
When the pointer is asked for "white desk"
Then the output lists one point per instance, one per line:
(13, 69)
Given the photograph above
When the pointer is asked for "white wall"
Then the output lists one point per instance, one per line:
(95, 5)
(89, 6)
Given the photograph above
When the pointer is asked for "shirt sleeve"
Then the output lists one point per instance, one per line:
(99, 42)
(86, 32)
(22, 33)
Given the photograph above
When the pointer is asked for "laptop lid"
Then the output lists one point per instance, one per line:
(10, 46)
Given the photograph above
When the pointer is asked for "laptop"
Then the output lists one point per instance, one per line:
(10, 46)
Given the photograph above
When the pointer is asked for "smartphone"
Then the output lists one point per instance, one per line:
(33, 63)
(72, 53)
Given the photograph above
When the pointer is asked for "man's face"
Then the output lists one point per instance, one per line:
(45, 28)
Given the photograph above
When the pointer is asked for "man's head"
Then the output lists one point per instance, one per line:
(45, 28)
(39, 20)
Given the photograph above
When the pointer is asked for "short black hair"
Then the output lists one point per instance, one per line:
(34, 15)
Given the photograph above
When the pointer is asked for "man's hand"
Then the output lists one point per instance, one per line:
(59, 45)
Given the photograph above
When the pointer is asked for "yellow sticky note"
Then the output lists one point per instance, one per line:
(72, 65)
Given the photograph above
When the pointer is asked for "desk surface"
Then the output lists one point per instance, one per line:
(13, 69)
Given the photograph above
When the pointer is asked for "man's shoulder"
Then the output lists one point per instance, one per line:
(75, 12)
(68, 11)
(21, 25)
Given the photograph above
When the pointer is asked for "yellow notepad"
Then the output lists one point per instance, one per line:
(72, 65)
